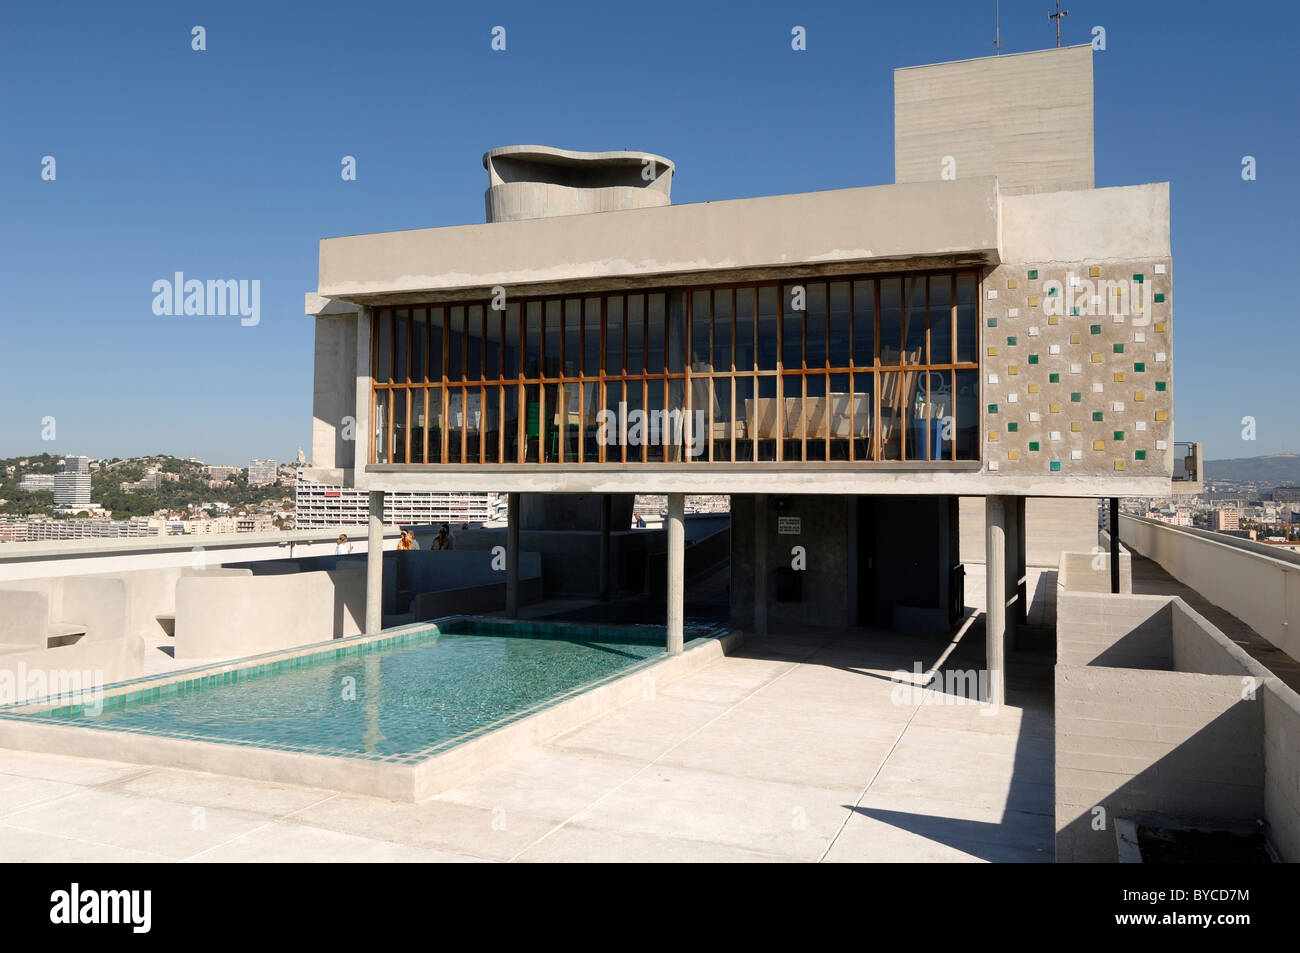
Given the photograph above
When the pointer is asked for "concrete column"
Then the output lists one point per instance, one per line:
(375, 565)
(512, 555)
(995, 554)
(676, 526)
(605, 514)
(1011, 588)
(760, 564)
(1022, 565)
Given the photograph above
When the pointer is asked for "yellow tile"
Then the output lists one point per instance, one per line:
(993, 435)
(1099, 445)
(1013, 370)
(993, 352)
(1054, 319)
(1161, 415)
(1074, 339)
(1140, 395)
(1094, 272)
(1074, 427)
(1119, 377)
(1055, 408)
(1096, 357)
(1033, 302)
(1033, 388)
(1160, 327)
(1013, 454)
(1119, 464)
(1012, 283)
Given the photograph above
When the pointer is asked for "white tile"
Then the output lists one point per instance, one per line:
(1012, 398)
(1076, 454)
(993, 378)
(1054, 349)
(1161, 357)
(1118, 406)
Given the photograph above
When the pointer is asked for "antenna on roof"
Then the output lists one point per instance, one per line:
(1057, 17)
(997, 28)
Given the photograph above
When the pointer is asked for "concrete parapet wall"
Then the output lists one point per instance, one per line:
(1260, 589)
(1170, 747)
(1282, 768)
(82, 666)
(1130, 632)
(1090, 572)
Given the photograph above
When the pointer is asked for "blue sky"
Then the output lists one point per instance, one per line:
(225, 164)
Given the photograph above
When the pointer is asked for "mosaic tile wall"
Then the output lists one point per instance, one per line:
(1073, 384)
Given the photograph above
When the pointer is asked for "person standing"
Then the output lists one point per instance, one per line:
(342, 547)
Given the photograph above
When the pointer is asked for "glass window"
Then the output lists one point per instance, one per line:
(722, 331)
(591, 337)
(654, 359)
(455, 344)
(941, 319)
(764, 417)
(815, 346)
(891, 321)
(492, 344)
(572, 337)
(966, 329)
(382, 401)
(635, 326)
(864, 323)
(510, 349)
(551, 339)
(399, 425)
(796, 303)
(701, 329)
(455, 423)
(383, 346)
(767, 328)
(435, 344)
(744, 344)
(474, 343)
(914, 322)
(838, 354)
(533, 341)
(419, 343)
(676, 342)
(966, 414)
(614, 335)
(417, 425)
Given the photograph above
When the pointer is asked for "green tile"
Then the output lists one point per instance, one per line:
(1076, 397)
(1119, 435)
(1033, 274)
(1011, 342)
(1033, 358)
(1118, 348)
(1161, 385)
(1160, 297)
(1096, 415)
(1139, 278)
(1051, 292)
(1033, 445)
(993, 322)
(1139, 454)
(993, 408)
(1094, 329)
(1074, 312)
(1139, 366)
(1013, 427)
(1054, 378)
(1056, 466)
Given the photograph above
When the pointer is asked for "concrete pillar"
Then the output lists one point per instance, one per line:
(512, 555)
(1022, 565)
(375, 565)
(1011, 588)
(760, 564)
(605, 513)
(676, 526)
(995, 554)
(1114, 545)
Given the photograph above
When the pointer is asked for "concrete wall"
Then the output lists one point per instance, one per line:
(24, 619)
(1026, 118)
(1128, 632)
(1156, 746)
(1052, 526)
(228, 616)
(1090, 572)
(540, 181)
(1260, 588)
(1213, 741)
(334, 390)
(82, 667)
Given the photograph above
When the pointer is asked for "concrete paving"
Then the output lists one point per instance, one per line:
(797, 749)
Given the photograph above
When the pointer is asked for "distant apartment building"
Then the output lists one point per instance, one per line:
(322, 505)
(72, 489)
(1224, 520)
(261, 472)
(219, 473)
(53, 530)
(13, 531)
(37, 483)
(76, 464)
(1286, 494)
(147, 482)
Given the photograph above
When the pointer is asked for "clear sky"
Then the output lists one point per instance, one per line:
(225, 164)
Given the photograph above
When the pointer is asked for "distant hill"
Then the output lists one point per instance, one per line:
(1274, 468)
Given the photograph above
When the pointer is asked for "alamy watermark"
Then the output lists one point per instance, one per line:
(211, 298)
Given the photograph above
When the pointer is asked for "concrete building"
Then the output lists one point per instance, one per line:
(322, 505)
(261, 472)
(1226, 520)
(845, 364)
(37, 482)
(72, 489)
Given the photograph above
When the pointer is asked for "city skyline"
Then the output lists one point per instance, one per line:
(132, 204)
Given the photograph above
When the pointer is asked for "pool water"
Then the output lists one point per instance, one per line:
(396, 699)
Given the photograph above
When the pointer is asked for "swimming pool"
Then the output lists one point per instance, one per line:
(398, 698)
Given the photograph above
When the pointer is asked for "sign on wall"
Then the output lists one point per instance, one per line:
(789, 525)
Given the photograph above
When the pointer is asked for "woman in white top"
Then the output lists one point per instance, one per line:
(343, 548)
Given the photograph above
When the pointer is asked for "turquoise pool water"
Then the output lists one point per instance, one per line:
(397, 699)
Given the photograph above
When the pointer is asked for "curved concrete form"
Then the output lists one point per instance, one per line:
(540, 182)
